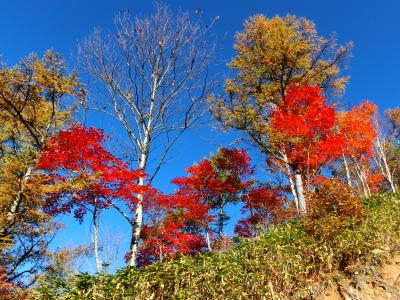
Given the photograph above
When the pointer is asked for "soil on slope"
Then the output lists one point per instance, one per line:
(380, 284)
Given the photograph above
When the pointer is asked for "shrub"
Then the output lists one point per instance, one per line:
(333, 209)
(285, 263)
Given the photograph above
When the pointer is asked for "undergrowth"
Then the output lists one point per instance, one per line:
(288, 262)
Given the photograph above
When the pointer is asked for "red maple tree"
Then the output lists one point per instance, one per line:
(175, 225)
(302, 133)
(304, 127)
(264, 207)
(181, 223)
(80, 173)
(217, 181)
(358, 130)
(81, 176)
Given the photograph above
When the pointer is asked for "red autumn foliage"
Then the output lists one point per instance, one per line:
(219, 176)
(166, 240)
(304, 127)
(217, 182)
(357, 129)
(82, 172)
(7, 289)
(374, 181)
(264, 207)
(175, 225)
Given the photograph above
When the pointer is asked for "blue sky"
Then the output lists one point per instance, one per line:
(373, 26)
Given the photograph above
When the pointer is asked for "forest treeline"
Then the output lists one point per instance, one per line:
(152, 76)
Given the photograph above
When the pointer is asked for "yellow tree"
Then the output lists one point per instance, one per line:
(30, 111)
(271, 55)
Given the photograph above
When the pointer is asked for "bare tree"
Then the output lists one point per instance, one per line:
(152, 73)
(386, 157)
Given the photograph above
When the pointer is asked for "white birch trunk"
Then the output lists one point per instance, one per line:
(160, 254)
(96, 216)
(300, 193)
(363, 179)
(137, 224)
(11, 215)
(346, 167)
(17, 201)
(363, 183)
(208, 241)
(383, 165)
(292, 185)
(136, 229)
(294, 193)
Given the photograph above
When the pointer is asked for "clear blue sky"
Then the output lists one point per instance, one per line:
(374, 27)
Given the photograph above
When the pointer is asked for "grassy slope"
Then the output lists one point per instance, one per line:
(285, 263)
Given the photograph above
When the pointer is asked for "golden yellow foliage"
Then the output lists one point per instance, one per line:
(30, 112)
(272, 54)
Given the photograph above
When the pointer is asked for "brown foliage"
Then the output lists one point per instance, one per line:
(333, 209)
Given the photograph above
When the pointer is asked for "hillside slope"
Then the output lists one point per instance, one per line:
(286, 263)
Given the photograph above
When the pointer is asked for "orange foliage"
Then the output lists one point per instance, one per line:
(358, 131)
(333, 208)
(374, 181)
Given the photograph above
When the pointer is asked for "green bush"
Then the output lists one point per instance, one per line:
(285, 263)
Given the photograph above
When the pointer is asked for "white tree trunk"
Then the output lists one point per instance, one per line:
(11, 215)
(137, 224)
(364, 183)
(18, 198)
(300, 193)
(294, 193)
(160, 254)
(208, 241)
(363, 179)
(136, 230)
(17, 201)
(346, 167)
(383, 165)
(292, 185)
(367, 185)
(96, 216)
